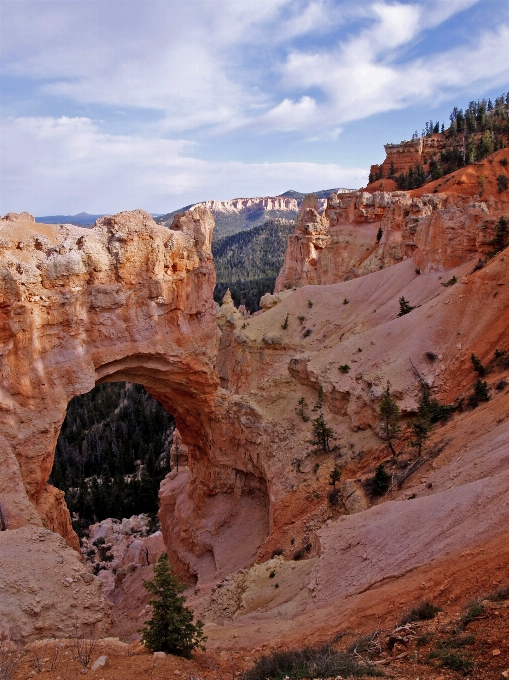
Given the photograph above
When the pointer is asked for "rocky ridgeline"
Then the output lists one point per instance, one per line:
(362, 232)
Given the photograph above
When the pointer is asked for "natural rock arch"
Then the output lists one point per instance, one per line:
(127, 300)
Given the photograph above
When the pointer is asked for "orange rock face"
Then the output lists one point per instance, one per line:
(361, 232)
(400, 157)
(128, 300)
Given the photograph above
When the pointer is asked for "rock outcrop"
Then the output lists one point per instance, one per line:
(363, 232)
(400, 157)
(128, 300)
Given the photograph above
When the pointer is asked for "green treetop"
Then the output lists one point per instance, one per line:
(171, 628)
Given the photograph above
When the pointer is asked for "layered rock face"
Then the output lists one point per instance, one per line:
(251, 204)
(129, 301)
(132, 301)
(438, 231)
(400, 157)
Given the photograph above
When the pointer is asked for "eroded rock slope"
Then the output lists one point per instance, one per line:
(248, 520)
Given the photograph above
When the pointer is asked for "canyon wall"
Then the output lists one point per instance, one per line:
(129, 300)
(361, 232)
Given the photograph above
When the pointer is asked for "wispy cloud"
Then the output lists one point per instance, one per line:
(49, 162)
(219, 73)
(230, 64)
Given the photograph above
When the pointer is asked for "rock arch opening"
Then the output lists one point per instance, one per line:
(113, 451)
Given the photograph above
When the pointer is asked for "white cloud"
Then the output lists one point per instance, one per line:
(227, 64)
(67, 165)
(365, 74)
(215, 67)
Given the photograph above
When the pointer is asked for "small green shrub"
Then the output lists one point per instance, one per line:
(504, 162)
(404, 307)
(379, 484)
(474, 610)
(447, 656)
(451, 282)
(309, 662)
(379, 234)
(344, 368)
(425, 639)
(284, 325)
(476, 363)
(499, 595)
(310, 304)
(334, 497)
(300, 410)
(502, 183)
(479, 394)
(301, 319)
(424, 611)
(299, 554)
(452, 660)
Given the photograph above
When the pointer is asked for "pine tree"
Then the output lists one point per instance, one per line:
(335, 476)
(389, 418)
(481, 390)
(171, 628)
(380, 482)
(404, 306)
(323, 435)
(421, 429)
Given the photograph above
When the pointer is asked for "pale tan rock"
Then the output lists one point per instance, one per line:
(42, 597)
(100, 663)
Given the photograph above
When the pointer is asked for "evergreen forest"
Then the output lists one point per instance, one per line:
(112, 453)
(248, 262)
(472, 135)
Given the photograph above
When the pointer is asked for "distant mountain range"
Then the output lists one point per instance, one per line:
(232, 217)
(82, 219)
(242, 214)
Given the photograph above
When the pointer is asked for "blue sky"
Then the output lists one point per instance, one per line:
(109, 105)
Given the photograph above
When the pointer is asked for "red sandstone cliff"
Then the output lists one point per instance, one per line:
(133, 301)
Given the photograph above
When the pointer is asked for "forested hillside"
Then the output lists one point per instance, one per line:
(472, 135)
(112, 453)
(228, 224)
(248, 262)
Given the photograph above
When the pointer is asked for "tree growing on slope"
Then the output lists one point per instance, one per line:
(389, 418)
(322, 434)
(171, 628)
